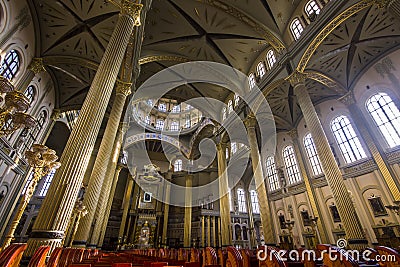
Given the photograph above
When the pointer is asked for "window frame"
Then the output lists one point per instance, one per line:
(312, 155)
(10, 64)
(291, 165)
(241, 199)
(272, 174)
(297, 29)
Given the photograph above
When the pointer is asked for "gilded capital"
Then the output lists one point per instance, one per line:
(36, 65)
(293, 134)
(296, 78)
(348, 99)
(132, 9)
(250, 121)
(56, 115)
(123, 88)
(221, 146)
(123, 127)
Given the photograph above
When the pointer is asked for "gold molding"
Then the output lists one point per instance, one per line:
(123, 88)
(325, 80)
(149, 59)
(293, 134)
(354, 9)
(296, 78)
(36, 65)
(348, 99)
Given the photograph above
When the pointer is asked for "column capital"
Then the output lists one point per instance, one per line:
(348, 99)
(123, 88)
(296, 78)
(293, 134)
(250, 121)
(221, 146)
(36, 65)
(133, 10)
(55, 115)
(123, 127)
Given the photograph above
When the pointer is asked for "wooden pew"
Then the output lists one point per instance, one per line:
(391, 257)
(234, 258)
(39, 258)
(11, 256)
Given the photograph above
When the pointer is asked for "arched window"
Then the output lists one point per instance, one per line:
(312, 154)
(47, 181)
(230, 200)
(178, 165)
(297, 28)
(252, 80)
(261, 69)
(271, 59)
(30, 93)
(312, 8)
(176, 109)
(160, 125)
(227, 153)
(174, 126)
(233, 148)
(386, 116)
(254, 201)
(188, 107)
(347, 139)
(187, 122)
(230, 106)
(272, 175)
(292, 168)
(150, 102)
(162, 107)
(10, 65)
(236, 100)
(147, 120)
(241, 200)
(224, 113)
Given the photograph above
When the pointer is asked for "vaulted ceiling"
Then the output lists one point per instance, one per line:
(73, 34)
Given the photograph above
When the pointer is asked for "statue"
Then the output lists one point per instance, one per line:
(144, 236)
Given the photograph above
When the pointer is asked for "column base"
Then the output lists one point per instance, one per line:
(79, 243)
(358, 244)
(91, 246)
(43, 238)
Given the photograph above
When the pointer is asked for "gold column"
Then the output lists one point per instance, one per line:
(57, 207)
(96, 180)
(168, 178)
(187, 229)
(127, 203)
(265, 212)
(208, 231)
(104, 221)
(202, 232)
(80, 212)
(309, 189)
(347, 212)
(42, 160)
(108, 189)
(372, 143)
(225, 214)
(35, 67)
(214, 228)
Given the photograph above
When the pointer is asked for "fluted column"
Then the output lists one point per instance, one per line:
(127, 202)
(108, 189)
(203, 231)
(214, 231)
(265, 212)
(100, 165)
(391, 6)
(373, 144)
(310, 191)
(168, 178)
(108, 203)
(225, 214)
(57, 207)
(187, 228)
(208, 231)
(347, 212)
(35, 67)
(253, 241)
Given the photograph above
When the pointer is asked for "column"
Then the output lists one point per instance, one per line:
(127, 202)
(168, 178)
(373, 144)
(224, 209)
(57, 207)
(391, 6)
(202, 232)
(108, 189)
(35, 67)
(208, 231)
(309, 189)
(354, 232)
(100, 165)
(253, 241)
(265, 212)
(104, 221)
(187, 228)
(214, 230)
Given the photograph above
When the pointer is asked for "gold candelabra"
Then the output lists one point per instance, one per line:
(12, 114)
(79, 212)
(42, 160)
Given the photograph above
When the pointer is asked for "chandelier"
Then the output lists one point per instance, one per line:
(12, 114)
